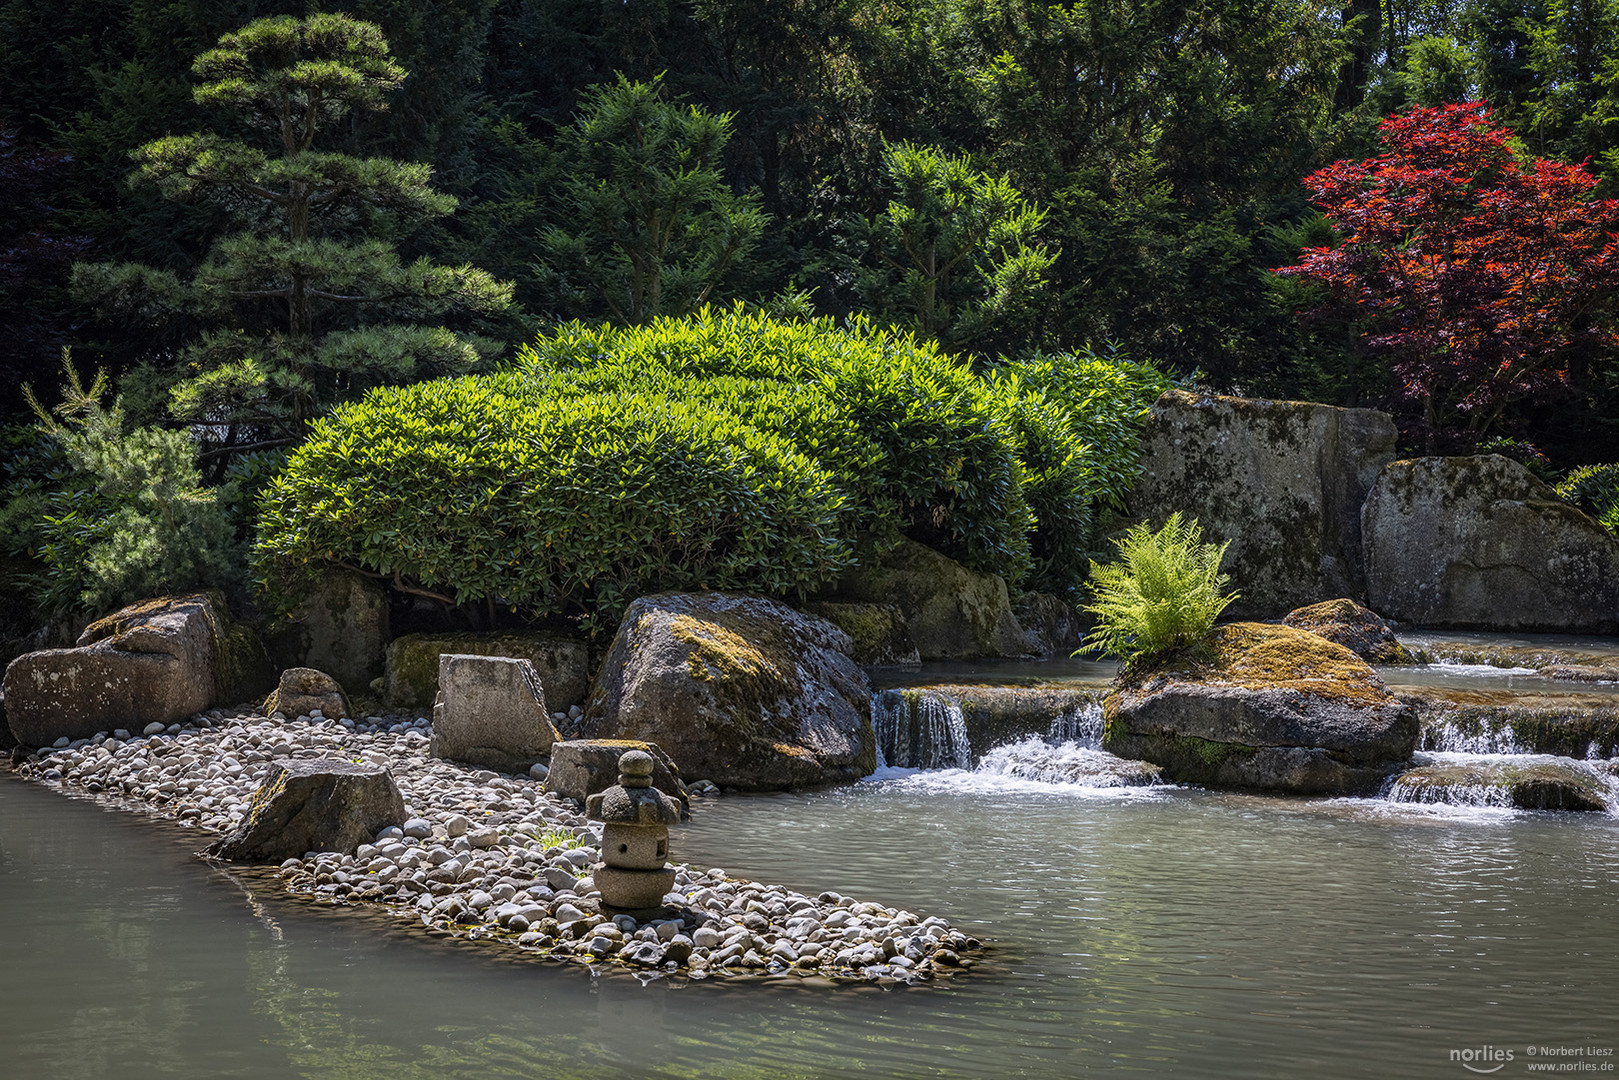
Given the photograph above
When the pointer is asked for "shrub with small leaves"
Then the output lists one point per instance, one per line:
(923, 447)
(1164, 593)
(483, 489)
(131, 518)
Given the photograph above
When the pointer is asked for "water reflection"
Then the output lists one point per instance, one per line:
(1187, 933)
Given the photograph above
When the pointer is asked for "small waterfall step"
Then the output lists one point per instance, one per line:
(1067, 762)
(1522, 782)
(939, 727)
(1574, 725)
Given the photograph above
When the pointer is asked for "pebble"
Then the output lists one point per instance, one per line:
(467, 859)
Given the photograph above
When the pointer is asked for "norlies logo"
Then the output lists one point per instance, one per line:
(1482, 1059)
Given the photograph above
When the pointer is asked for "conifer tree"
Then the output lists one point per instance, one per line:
(306, 303)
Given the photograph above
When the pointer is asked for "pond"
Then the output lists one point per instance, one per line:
(1158, 931)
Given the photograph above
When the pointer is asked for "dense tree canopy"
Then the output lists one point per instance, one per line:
(1166, 145)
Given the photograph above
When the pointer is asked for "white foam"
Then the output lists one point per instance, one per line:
(1445, 667)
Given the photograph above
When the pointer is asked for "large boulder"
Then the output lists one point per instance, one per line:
(160, 660)
(1481, 542)
(951, 612)
(878, 633)
(1052, 626)
(1283, 481)
(740, 690)
(491, 712)
(1356, 628)
(1263, 707)
(563, 664)
(313, 806)
(341, 628)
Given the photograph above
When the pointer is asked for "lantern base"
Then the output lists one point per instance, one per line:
(628, 891)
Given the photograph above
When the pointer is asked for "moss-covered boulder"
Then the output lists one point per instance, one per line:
(1527, 786)
(1481, 542)
(341, 628)
(1262, 707)
(313, 806)
(878, 633)
(411, 682)
(953, 613)
(740, 690)
(1356, 628)
(159, 660)
(1283, 481)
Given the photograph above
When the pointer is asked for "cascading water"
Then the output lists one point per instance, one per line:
(1066, 762)
(920, 730)
(927, 730)
(1445, 736)
(1451, 795)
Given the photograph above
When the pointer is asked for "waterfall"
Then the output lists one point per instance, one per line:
(1067, 762)
(1451, 795)
(1081, 724)
(920, 730)
(1443, 735)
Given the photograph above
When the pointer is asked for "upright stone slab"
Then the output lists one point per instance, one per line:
(1283, 481)
(491, 712)
(582, 767)
(1480, 542)
(313, 806)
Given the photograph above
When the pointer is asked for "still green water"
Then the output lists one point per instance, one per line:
(1180, 933)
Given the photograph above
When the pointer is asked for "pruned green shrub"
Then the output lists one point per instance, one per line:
(485, 489)
(924, 447)
(1164, 593)
(1595, 488)
(1104, 397)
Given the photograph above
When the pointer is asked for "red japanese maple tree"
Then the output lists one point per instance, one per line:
(1478, 271)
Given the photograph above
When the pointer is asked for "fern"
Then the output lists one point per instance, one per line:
(1164, 593)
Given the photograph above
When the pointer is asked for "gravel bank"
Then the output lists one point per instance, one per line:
(489, 855)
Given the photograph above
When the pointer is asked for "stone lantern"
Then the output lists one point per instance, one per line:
(632, 876)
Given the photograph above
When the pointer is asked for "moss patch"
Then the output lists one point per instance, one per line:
(1257, 656)
(719, 654)
(736, 662)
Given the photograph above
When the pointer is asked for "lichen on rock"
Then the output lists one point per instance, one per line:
(740, 690)
(1263, 707)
